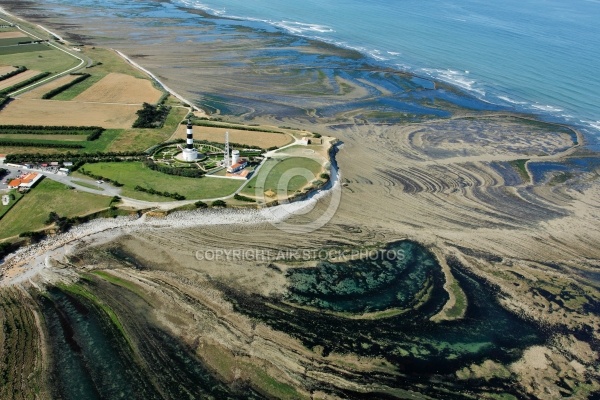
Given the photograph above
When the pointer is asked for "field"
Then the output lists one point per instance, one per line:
(50, 59)
(5, 69)
(12, 34)
(110, 62)
(273, 170)
(141, 139)
(121, 88)
(31, 212)
(56, 113)
(262, 139)
(39, 91)
(132, 174)
(18, 78)
(26, 48)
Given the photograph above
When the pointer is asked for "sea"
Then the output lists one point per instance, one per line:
(535, 56)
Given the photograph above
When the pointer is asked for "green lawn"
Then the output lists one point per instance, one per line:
(132, 174)
(5, 209)
(273, 174)
(50, 59)
(31, 212)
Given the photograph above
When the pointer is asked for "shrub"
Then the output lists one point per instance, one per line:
(219, 203)
(200, 204)
(243, 198)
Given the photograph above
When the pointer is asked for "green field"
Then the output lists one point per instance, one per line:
(273, 171)
(101, 144)
(31, 212)
(49, 59)
(138, 139)
(26, 48)
(14, 41)
(132, 174)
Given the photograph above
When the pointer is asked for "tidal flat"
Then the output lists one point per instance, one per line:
(505, 257)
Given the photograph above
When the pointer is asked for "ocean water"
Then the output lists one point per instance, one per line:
(535, 56)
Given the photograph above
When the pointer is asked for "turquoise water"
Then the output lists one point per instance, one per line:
(537, 56)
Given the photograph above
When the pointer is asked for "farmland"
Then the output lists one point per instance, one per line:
(252, 138)
(54, 113)
(18, 78)
(38, 92)
(121, 88)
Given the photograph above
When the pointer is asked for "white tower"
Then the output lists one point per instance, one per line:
(235, 157)
(190, 154)
(226, 159)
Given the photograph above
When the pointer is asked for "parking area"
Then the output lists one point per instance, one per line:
(4, 182)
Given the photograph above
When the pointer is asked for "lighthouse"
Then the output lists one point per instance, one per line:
(189, 154)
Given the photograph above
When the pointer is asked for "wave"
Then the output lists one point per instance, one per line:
(457, 78)
(488, 92)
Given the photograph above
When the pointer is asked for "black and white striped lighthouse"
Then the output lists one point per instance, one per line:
(189, 153)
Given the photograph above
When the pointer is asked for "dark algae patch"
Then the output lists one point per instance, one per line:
(398, 277)
(324, 306)
(93, 359)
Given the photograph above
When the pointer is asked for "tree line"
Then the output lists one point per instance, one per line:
(92, 132)
(54, 145)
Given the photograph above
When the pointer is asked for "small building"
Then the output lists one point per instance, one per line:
(64, 171)
(26, 181)
(5, 200)
(54, 164)
(68, 163)
(238, 166)
(305, 141)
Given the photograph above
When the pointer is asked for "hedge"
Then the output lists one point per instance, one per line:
(175, 196)
(13, 73)
(20, 85)
(64, 87)
(23, 143)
